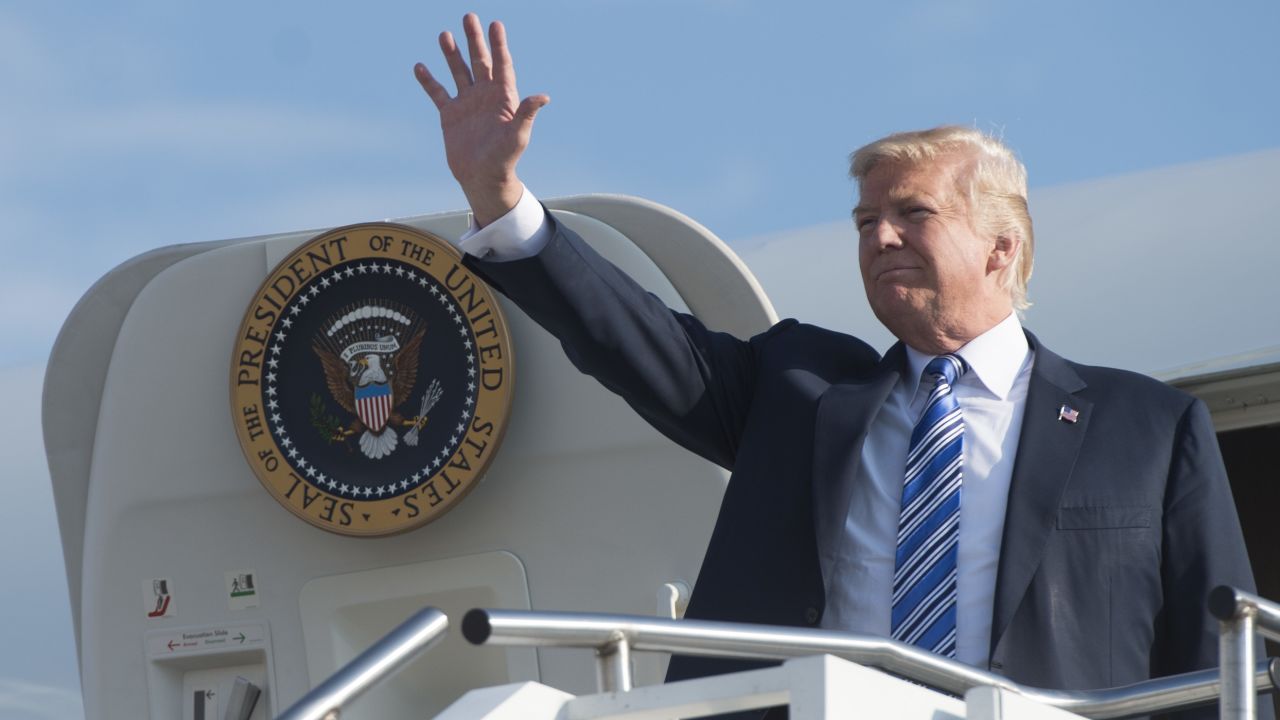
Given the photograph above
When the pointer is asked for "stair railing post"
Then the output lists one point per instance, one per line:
(1235, 658)
(613, 665)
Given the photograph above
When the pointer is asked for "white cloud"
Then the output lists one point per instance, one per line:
(22, 700)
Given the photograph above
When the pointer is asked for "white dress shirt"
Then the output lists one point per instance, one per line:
(858, 564)
(519, 234)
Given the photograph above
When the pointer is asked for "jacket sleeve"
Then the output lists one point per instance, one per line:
(693, 384)
(1203, 547)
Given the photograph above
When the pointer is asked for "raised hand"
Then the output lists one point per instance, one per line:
(486, 126)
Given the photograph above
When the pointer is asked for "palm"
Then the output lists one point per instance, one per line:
(480, 130)
(486, 126)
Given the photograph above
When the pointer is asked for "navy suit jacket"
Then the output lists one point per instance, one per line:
(1117, 524)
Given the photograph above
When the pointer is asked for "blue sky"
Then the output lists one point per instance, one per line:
(136, 124)
(132, 125)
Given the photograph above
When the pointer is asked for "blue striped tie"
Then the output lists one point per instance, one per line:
(924, 568)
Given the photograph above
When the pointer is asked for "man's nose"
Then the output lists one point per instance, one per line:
(884, 235)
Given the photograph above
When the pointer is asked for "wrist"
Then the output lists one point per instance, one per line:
(490, 201)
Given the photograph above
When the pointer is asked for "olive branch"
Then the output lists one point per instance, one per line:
(329, 427)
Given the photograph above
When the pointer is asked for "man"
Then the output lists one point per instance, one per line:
(970, 492)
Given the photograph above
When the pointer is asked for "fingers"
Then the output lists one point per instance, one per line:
(529, 107)
(483, 66)
(434, 89)
(457, 66)
(503, 69)
(481, 63)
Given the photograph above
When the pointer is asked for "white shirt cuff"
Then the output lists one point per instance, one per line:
(521, 233)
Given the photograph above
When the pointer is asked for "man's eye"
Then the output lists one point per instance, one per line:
(864, 222)
(919, 211)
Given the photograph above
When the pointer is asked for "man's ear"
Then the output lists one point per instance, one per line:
(1003, 252)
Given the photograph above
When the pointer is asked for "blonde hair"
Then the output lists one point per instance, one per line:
(995, 184)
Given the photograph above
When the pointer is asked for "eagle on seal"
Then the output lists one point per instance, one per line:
(372, 386)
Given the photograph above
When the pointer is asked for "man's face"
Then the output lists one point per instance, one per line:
(927, 271)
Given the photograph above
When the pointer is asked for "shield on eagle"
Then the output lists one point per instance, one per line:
(373, 405)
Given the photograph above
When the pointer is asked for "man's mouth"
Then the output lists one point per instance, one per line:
(895, 272)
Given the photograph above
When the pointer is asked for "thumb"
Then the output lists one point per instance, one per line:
(529, 107)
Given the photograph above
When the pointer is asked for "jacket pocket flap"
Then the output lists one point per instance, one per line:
(1104, 516)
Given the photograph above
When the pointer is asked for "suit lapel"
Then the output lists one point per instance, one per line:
(1047, 450)
(844, 415)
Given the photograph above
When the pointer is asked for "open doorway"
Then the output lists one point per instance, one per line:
(1251, 458)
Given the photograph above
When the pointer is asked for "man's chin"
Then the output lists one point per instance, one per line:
(888, 301)
(898, 311)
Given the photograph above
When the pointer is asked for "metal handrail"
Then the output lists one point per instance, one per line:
(382, 660)
(613, 637)
(1240, 615)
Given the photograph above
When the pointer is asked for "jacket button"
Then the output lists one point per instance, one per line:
(811, 615)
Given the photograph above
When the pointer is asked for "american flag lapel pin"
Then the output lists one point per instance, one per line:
(1068, 414)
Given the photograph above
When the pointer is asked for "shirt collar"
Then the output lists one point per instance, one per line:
(995, 357)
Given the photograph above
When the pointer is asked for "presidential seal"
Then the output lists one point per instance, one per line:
(371, 380)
